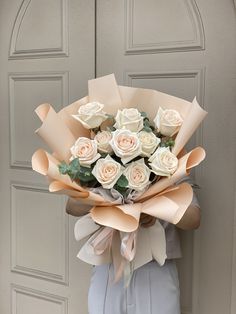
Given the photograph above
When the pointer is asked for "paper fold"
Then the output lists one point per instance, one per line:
(55, 132)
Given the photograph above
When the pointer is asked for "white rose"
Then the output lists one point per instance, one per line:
(86, 150)
(137, 174)
(91, 115)
(129, 119)
(103, 138)
(163, 162)
(126, 145)
(149, 142)
(107, 171)
(168, 121)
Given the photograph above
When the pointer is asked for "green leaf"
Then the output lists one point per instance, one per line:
(122, 191)
(147, 129)
(162, 144)
(74, 164)
(63, 167)
(147, 126)
(171, 142)
(85, 174)
(143, 114)
(122, 181)
(167, 143)
(72, 169)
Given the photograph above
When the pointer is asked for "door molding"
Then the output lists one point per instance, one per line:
(62, 76)
(197, 74)
(63, 277)
(45, 52)
(196, 43)
(32, 294)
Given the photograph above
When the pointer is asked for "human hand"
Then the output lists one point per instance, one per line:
(147, 220)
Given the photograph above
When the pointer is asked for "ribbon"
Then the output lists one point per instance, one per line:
(102, 241)
(128, 245)
(127, 251)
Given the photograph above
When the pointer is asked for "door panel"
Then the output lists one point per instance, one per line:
(187, 48)
(47, 55)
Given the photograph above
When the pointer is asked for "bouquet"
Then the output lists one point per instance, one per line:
(121, 151)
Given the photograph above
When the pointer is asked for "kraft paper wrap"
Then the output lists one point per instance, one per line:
(118, 240)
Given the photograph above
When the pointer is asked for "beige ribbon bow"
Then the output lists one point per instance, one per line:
(107, 245)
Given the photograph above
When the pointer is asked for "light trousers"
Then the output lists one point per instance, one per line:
(153, 289)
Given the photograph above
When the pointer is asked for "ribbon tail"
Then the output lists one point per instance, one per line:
(157, 240)
(128, 273)
(117, 259)
(102, 241)
(128, 251)
(128, 245)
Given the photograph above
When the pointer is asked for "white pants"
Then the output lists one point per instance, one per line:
(153, 289)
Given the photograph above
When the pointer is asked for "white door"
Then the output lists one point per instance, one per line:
(188, 48)
(46, 55)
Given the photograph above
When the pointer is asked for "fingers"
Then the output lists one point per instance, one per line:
(147, 220)
(149, 223)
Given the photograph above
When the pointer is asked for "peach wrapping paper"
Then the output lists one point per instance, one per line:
(162, 200)
(50, 118)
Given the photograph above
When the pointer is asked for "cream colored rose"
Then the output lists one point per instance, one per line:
(137, 174)
(91, 115)
(129, 119)
(163, 162)
(103, 138)
(86, 150)
(107, 171)
(168, 121)
(126, 145)
(149, 143)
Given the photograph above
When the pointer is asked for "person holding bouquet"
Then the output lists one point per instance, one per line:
(153, 289)
(127, 175)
